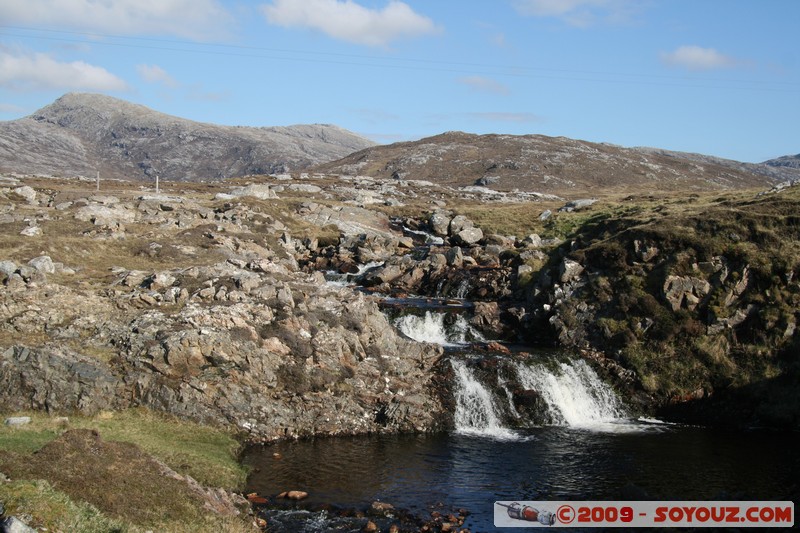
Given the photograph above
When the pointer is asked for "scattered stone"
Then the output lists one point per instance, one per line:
(533, 240)
(17, 421)
(487, 180)
(8, 267)
(569, 270)
(458, 224)
(296, 495)
(26, 192)
(382, 507)
(12, 524)
(43, 264)
(440, 223)
(545, 215)
(577, 205)
(31, 231)
(370, 527)
(468, 236)
(256, 499)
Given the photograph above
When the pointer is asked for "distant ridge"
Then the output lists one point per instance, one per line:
(557, 165)
(790, 161)
(79, 134)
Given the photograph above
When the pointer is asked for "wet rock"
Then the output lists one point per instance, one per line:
(370, 527)
(455, 257)
(382, 507)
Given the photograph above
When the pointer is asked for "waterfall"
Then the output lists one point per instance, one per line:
(574, 393)
(431, 327)
(463, 289)
(476, 412)
(339, 279)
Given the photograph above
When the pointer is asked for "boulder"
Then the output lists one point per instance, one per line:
(8, 267)
(101, 215)
(31, 231)
(458, 224)
(43, 264)
(440, 223)
(17, 421)
(468, 236)
(577, 205)
(533, 240)
(262, 192)
(26, 192)
(569, 270)
(455, 257)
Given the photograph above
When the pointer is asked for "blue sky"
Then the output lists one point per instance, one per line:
(716, 77)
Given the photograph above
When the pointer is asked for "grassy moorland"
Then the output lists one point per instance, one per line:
(108, 477)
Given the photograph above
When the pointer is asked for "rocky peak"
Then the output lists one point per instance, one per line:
(80, 134)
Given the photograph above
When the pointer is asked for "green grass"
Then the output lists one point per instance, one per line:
(153, 503)
(207, 454)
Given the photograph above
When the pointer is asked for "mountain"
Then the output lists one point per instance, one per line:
(80, 134)
(790, 161)
(552, 165)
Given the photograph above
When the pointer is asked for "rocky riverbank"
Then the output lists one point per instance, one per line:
(210, 302)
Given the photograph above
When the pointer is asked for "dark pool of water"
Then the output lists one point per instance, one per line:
(454, 471)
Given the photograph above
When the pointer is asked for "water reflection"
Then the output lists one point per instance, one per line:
(417, 472)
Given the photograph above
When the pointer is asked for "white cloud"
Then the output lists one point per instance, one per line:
(488, 85)
(200, 20)
(348, 21)
(580, 13)
(697, 58)
(156, 74)
(40, 71)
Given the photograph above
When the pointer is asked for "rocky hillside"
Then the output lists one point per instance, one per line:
(209, 302)
(787, 161)
(80, 134)
(554, 165)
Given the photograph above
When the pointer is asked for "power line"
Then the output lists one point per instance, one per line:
(362, 60)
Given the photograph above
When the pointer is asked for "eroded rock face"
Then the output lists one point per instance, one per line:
(248, 341)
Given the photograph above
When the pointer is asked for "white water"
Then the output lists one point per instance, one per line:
(575, 395)
(344, 280)
(476, 413)
(430, 327)
(463, 289)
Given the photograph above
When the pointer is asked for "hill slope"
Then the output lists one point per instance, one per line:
(551, 165)
(790, 161)
(80, 134)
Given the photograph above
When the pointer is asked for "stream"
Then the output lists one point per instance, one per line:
(574, 439)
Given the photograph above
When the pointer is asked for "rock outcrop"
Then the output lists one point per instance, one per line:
(81, 134)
